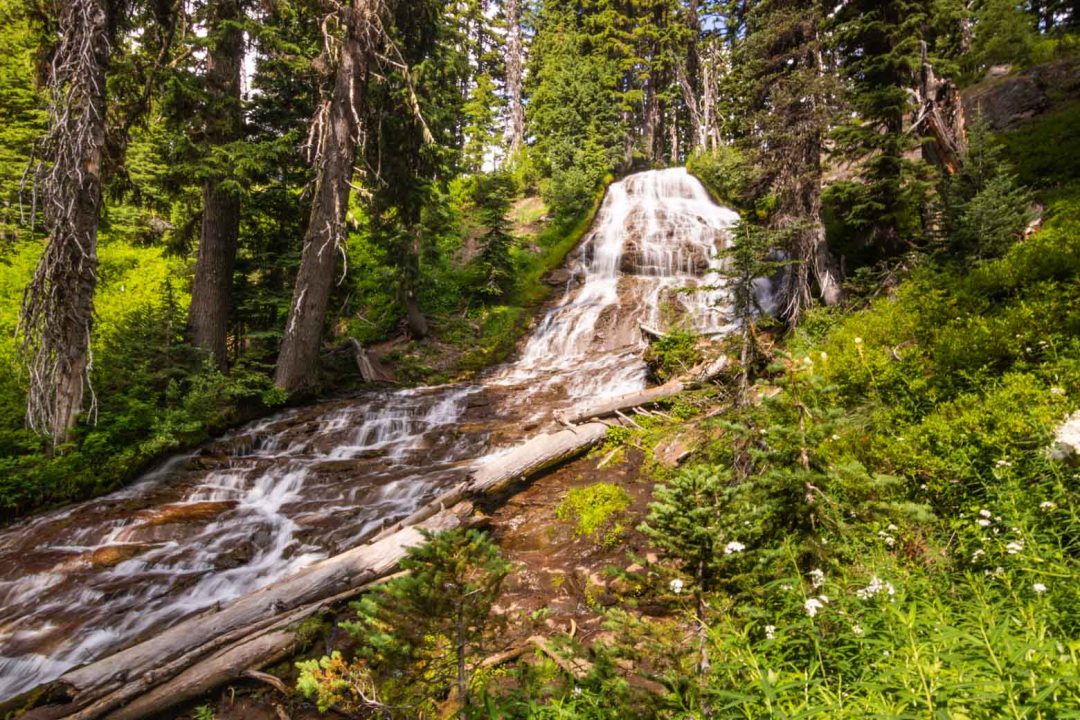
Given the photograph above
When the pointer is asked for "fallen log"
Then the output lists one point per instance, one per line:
(217, 646)
(232, 664)
(611, 406)
(98, 688)
(496, 472)
(620, 403)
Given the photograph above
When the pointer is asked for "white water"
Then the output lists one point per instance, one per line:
(280, 494)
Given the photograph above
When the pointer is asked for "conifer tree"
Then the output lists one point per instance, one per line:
(436, 620)
(790, 98)
(222, 119)
(879, 42)
(58, 305)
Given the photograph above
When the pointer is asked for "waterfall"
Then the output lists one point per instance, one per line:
(277, 495)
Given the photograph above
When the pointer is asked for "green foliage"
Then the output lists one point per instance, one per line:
(1043, 153)
(24, 118)
(204, 712)
(1006, 35)
(494, 264)
(424, 632)
(673, 354)
(726, 172)
(986, 209)
(597, 511)
(336, 684)
(684, 521)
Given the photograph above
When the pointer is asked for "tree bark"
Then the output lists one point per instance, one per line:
(212, 289)
(941, 111)
(335, 139)
(514, 76)
(58, 304)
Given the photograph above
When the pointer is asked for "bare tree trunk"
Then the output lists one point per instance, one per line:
(941, 111)
(58, 304)
(514, 75)
(211, 293)
(334, 141)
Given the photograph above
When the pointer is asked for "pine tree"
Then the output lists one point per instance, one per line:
(495, 264)
(790, 99)
(24, 119)
(222, 117)
(879, 43)
(334, 139)
(436, 621)
(684, 521)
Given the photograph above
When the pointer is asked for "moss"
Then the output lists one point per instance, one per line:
(597, 512)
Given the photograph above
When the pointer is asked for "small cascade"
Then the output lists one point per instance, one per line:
(282, 493)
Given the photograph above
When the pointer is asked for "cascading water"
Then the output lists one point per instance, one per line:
(275, 496)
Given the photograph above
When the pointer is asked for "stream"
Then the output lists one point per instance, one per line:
(270, 498)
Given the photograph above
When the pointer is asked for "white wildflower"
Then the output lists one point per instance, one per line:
(858, 341)
(1015, 547)
(857, 629)
(1067, 440)
(977, 554)
(812, 605)
(817, 578)
(877, 585)
(733, 547)
(986, 513)
(786, 588)
(676, 586)
(892, 527)
(983, 522)
(770, 632)
(1039, 588)
(824, 357)
(1003, 463)
(577, 691)
(1047, 505)
(1057, 390)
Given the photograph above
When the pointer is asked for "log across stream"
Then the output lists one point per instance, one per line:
(196, 573)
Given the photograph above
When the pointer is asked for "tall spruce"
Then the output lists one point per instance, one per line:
(791, 94)
(208, 315)
(332, 150)
(879, 42)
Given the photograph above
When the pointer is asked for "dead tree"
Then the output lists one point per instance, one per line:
(58, 304)
(514, 76)
(211, 292)
(939, 116)
(334, 138)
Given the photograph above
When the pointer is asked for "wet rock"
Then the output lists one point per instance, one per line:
(187, 512)
(113, 555)
(558, 278)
